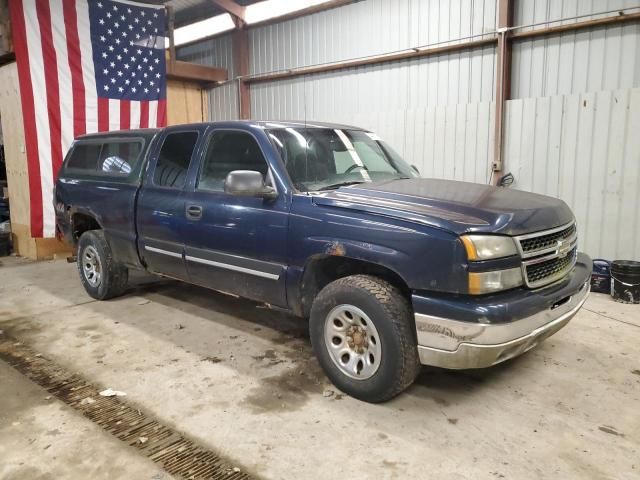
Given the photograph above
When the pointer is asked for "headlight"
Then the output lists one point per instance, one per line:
(486, 247)
(488, 282)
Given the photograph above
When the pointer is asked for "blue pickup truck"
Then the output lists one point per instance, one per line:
(330, 223)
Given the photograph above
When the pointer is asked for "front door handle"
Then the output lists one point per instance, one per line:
(194, 212)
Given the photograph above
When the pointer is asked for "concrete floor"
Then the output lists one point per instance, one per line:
(242, 380)
(42, 438)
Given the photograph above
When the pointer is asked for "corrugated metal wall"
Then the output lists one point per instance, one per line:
(443, 140)
(366, 28)
(604, 58)
(570, 127)
(585, 149)
(223, 100)
(437, 111)
(528, 12)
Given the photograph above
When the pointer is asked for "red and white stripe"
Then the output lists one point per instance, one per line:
(58, 92)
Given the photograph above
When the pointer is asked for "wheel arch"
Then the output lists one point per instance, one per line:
(83, 221)
(322, 269)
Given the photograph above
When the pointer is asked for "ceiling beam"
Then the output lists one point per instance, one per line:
(231, 7)
(319, 7)
(269, 21)
(177, 70)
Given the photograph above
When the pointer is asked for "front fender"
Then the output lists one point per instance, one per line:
(425, 258)
(301, 279)
(357, 250)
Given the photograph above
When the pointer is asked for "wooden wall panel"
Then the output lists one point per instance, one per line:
(186, 103)
(17, 174)
(13, 134)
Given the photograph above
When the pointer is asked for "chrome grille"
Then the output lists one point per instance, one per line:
(538, 272)
(547, 241)
(548, 256)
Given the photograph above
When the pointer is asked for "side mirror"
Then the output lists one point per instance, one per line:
(248, 183)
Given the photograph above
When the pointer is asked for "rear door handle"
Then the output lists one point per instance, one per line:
(194, 212)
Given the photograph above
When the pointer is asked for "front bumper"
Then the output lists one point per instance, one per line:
(500, 334)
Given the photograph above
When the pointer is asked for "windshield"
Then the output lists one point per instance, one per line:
(325, 158)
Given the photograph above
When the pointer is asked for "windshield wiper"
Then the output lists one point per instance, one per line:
(341, 184)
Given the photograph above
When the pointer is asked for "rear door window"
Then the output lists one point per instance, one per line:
(173, 161)
(120, 158)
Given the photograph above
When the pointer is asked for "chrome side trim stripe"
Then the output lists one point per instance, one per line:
(235, 268)
(163, 252)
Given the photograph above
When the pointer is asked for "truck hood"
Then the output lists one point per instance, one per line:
(459, 207)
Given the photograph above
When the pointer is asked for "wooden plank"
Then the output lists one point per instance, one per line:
(14, 145)
(178, 70)
(186, 103)
(17, 174)
(47, 248)
(23, 244)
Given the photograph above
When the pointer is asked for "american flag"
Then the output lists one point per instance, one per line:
(84, 66)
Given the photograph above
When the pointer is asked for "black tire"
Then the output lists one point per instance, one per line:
(113, 276)
(392, 316)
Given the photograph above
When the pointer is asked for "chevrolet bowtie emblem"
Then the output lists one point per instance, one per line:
(564, 247)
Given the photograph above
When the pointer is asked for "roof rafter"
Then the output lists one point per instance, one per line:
(231, 7)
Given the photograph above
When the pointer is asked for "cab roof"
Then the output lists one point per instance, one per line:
(249, 123)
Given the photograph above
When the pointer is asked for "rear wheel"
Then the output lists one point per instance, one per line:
(101, 276)
(363, 333)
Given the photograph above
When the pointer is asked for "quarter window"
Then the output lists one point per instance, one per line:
(117, 158)
(228, 151)
(84, 156)
(173, 161)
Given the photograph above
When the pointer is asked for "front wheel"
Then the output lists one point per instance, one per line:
(101, 276)
(362, 331)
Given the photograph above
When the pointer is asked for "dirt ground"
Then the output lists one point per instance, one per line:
(241, 380)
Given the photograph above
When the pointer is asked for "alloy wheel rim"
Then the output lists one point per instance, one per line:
(353, 342)
(91, 266)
